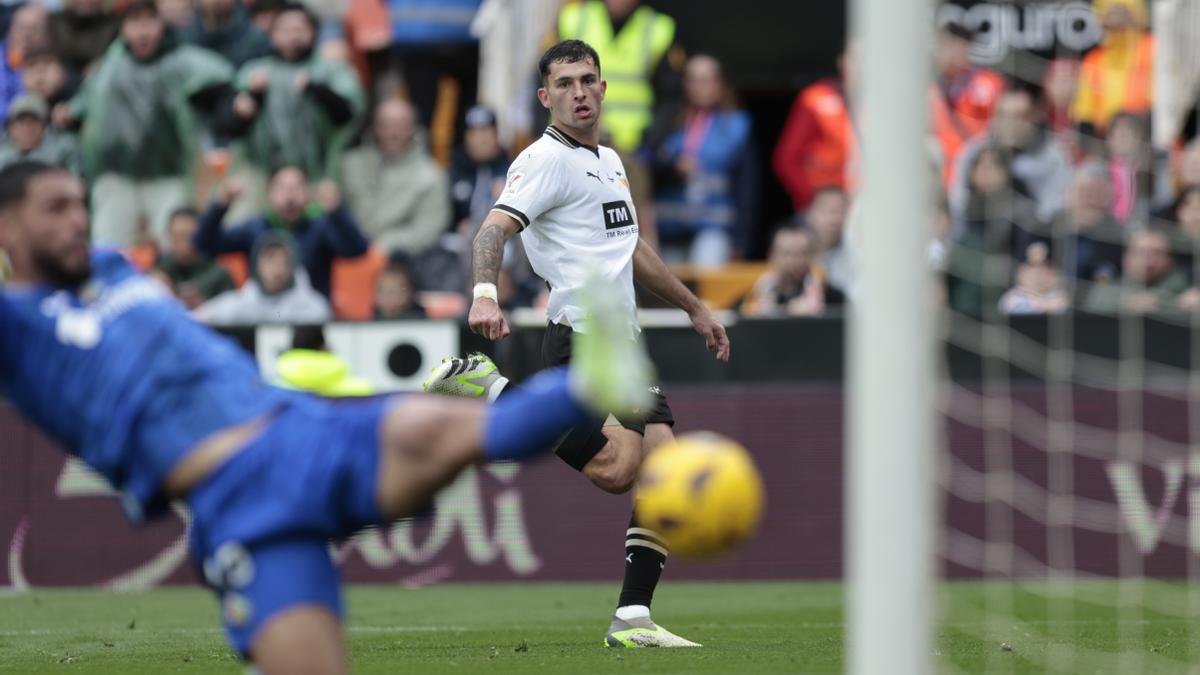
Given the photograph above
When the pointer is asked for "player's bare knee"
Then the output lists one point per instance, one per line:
(437, 432)
(306, 639)
(614, 469)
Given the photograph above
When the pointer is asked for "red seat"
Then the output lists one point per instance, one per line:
(353, 284)
(236, 265)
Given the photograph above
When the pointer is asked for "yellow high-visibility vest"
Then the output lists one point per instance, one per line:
(627, 62)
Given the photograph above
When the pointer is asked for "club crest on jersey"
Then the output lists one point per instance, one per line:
(616, 215)
(511, 188)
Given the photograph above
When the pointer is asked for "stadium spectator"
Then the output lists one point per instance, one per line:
(826, 218)
(1093, 238)
(795, 283)
(82, 31)
(817, 147)
(705, 168)
(1149, 281)
(278, 290)
(393, 185)
(432, 44)
(27, 32)
(1129, 166)
(962, 98)
(28, 136)
(396, 294)
(1059, 83)
(141, 112)
(1184, 229)
(298, 108)
(1039, 288)
(44, 75)
(224, 26)
(477, 170)
(940, 241)
(998, 209)
(323, 231)
(1184, 174)
(639, 57)
(177, 14)
(1117, 75)
(517, 286)
(1036, 159)
(997, 228)
(191, 275)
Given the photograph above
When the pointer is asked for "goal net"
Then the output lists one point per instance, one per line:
(1069, 392)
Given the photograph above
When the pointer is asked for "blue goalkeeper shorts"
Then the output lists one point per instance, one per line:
(262, 522)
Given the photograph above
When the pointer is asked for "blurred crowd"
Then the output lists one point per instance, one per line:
(269, 160)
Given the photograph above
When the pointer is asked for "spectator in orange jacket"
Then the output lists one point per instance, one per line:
(1117, 75)
(818, 148)
(962, 99)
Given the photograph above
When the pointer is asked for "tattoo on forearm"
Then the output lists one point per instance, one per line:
(487, 253)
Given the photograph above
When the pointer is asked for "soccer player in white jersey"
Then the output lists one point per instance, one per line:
(569, 199)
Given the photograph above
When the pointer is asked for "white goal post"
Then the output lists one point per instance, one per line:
(891, 492)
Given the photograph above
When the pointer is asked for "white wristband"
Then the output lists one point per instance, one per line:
(486, 290)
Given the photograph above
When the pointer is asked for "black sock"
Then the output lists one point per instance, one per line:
(645, 557)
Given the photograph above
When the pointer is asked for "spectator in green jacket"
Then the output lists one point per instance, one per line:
(142, 111)
(194, 277)
(1149, 281)
(296, 108)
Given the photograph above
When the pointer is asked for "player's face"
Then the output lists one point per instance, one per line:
(47, 232)
(573, 93)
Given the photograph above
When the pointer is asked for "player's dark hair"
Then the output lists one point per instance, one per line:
(567, 51)
(14, 179)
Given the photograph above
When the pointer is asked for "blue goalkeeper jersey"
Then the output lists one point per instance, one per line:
(122, 377)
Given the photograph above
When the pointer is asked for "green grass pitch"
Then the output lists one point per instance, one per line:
(557, 628)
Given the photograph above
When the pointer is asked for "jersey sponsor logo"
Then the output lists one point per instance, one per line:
(594, 175)
(617, 214)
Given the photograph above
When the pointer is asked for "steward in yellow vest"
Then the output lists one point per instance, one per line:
(639, 58)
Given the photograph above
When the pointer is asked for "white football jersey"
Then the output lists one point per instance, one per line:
(576, 212)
